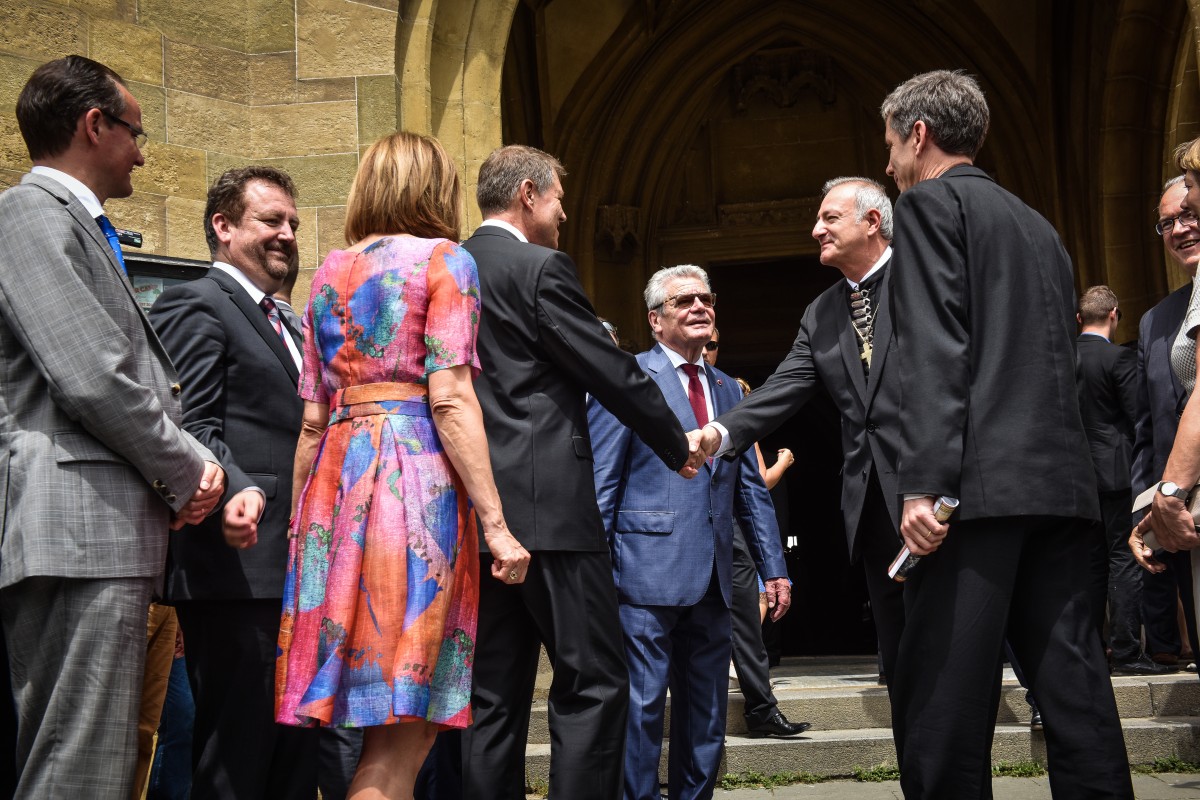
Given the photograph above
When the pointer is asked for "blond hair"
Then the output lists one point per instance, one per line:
(1187, 155)
(406, 183)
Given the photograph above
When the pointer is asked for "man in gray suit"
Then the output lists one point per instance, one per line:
(94, 466)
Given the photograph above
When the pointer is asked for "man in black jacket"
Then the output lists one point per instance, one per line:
(1108, 402)
(984, 304)
(542, 350)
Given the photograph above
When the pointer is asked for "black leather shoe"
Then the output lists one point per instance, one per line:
(1142, 666)
(777, 726)
(1035, 719)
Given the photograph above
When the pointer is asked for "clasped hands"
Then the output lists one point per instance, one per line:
(205, 498)
(702, 444)
(1172, 525)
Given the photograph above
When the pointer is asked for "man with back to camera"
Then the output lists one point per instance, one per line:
(542, 349)
(984, 305)
(1108, 403)
(96, 466)
(672, 550)
(845, 345)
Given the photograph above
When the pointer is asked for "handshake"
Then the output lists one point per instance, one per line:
(702, 444)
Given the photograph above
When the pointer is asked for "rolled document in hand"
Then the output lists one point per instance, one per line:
(943, 507)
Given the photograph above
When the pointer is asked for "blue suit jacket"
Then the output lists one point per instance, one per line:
(665, 531)
(1160, 395)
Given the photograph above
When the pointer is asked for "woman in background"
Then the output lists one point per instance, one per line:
(379, 611)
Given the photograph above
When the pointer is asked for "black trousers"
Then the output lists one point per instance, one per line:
(749, 653)
(877, 544)
(1028, 577)
(569, 603)
(238, 750)
(1160, 600)
(1120, 579)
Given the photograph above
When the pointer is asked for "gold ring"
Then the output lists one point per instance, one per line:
(512, 574)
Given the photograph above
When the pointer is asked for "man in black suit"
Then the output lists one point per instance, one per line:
(239, 362)
(1160, 402)
(542, 349)
(845, 347)
(984, 303)
(1108, 402)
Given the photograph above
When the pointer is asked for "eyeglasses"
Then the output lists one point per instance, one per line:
(688, 299)
(1118, 314)
(608, 326)
(139, 136)
(1186, 219)
(710, 346)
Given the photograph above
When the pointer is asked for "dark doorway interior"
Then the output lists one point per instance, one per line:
(759, 308)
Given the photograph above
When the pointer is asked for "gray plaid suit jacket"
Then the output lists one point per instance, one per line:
(92, 456)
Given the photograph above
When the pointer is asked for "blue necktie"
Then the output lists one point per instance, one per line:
(114, 241)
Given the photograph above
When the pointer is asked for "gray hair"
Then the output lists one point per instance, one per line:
(1170, 184)
(951, 105)
(656, 287)
(504, 170)
(869, 195)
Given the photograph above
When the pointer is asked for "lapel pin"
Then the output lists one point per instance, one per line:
(719, 382)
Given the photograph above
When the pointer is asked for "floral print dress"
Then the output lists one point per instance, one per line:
(379, 612)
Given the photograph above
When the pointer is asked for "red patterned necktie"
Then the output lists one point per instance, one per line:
(268, 305)
(696, 394)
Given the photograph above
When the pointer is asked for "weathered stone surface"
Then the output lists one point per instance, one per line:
(13, 154)
(219, 23)
(271, 78)
(185, 229)
(209, 71)
(208, 124)
(338, 38)
(376, 107)
(134, 51)
(42, 31)
(153, 100)
(306, 237)
(320, 180)
(331, 229)
(112, 9)
(9, 178)
(271, 25)
(303, 129)
(171, 170)
(14, 72)
(319, 90)
(142, 212)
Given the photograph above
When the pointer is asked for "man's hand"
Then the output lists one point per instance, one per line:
(1172, 523)
(779, 597)
(208, 494)
(240, 524)
(702, 444)
(920, 529)
(1141, 553)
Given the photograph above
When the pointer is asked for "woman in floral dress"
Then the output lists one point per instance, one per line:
(379, 611)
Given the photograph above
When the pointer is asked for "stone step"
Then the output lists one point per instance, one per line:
(809, 690)
(840, 752)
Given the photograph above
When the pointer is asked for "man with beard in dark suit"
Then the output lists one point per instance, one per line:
(984, 304)
(845, 346)
(542, 349)
(1108, 402)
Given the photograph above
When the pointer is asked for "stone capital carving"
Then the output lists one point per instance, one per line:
(783, 74)
(617, 230)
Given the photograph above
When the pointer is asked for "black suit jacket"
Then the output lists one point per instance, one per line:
(984, 305)
(825, 354)
(1160, 395)
(542, 350)
(239, 399)
(1108, 402)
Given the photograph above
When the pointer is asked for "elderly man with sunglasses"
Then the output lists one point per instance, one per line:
(672, 549)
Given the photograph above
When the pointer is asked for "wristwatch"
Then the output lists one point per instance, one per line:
(1171, 489)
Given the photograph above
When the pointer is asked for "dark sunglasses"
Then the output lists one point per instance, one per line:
(710, 346)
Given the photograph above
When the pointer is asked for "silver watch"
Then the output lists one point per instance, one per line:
(1171, 489)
